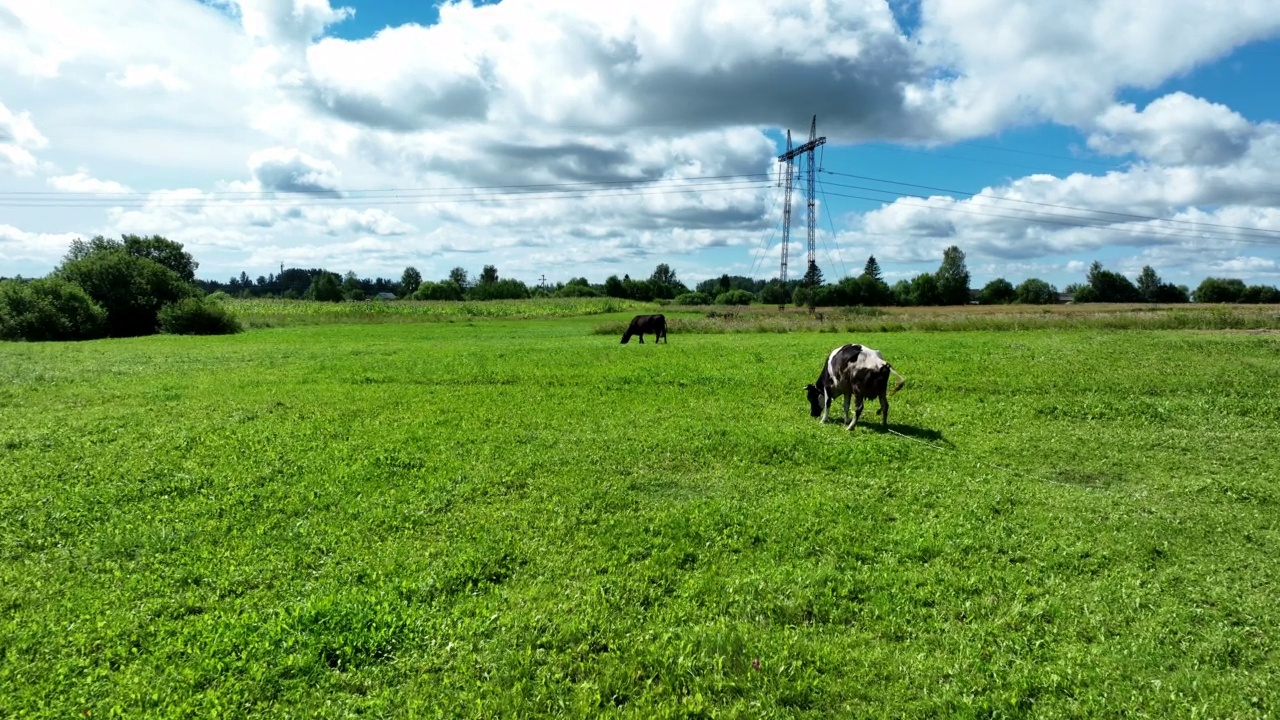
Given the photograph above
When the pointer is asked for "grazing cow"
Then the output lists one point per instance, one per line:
(857, 372)
(641, 324)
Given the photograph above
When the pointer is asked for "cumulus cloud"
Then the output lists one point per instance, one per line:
(290, 171)
(18, 137)
(82, 182)
(1176, 129)
(287, 21)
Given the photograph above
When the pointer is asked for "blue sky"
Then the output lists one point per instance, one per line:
(261, 132)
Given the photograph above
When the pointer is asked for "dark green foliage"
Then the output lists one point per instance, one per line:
(458, 276)
(444, 290)
(325, 288)
(925, 290)
(734, 297)
(48, 309)
(903, 294)
(773, 293)
(1034, 291)
(198, 316)
(166, 252)
(1261, 294)
(1220, 290)
(488, 275)
(1152, 289)
(614, 288)
(692, 298)
(576, 289)
(410, 281)
(997, 292)
(952, 279)
(1107, 286)
(813, 276)
(507, 289)
(131, 289)
(873, 291)
(872, 268)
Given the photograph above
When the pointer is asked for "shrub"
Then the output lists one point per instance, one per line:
(573, 290)
(734, 297)
(1034, 291)
(997, 292)
(445, 290)
(219, 296)
(1220, 290)
(693, 298)
(49, 309)
(198, 316)
(129, 288)
(507, 289)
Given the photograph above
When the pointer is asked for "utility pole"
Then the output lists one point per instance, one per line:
(788, 159)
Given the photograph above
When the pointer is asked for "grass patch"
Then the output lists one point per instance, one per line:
(263, 313)
(999, 318)
(522, 519)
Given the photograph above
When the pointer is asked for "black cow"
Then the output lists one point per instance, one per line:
(641, 324)
(856, 372)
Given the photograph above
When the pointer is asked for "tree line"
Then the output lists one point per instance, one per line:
(142, 285)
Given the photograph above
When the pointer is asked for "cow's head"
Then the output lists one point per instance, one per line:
(815, 399)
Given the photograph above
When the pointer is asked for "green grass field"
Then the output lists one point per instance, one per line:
(501, 518)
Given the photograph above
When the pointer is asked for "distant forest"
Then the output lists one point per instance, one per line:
(948, 285)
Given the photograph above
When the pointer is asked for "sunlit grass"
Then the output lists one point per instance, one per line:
(521, 519)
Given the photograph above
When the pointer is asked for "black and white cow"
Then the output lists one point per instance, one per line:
(857, 372)
(641, 324)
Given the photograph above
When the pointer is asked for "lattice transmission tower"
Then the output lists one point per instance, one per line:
(787, 160)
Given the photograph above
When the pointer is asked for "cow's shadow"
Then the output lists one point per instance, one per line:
(913, 432)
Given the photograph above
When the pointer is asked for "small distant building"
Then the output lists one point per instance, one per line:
(384, 296)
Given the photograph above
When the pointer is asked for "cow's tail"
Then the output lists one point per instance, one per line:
(901, 381)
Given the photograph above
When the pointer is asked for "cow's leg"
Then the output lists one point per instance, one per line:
(826, 407)
(846, 409)
(884, 409)
(857, 412)
(641, 338)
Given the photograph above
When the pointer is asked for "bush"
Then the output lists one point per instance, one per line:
(574, 290)
(198, 316)
(219, 296)
(507, 289)
(997, 292)
(1220, 290)
(49, 309)
(1034, 291)
(693, 298)
(129, 288)
(734, 297)
(445, 290)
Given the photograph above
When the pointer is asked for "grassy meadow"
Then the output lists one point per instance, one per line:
(479, 517)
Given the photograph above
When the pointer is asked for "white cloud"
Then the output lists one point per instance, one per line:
(143, 77)
(18, 137)
(1176, 129)
(288, 170)
(18, 246)
(82, 182)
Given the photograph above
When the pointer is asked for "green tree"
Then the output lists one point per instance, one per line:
(614, 288)
(166, 252)
(952, 278)
(925, 290)
(734, 297)
(325, 288)
(1107, 286)
(129, 288)
(872, 268)
(773, 293)
(458, 276)
(1220, 290)
(1261, 294)
(507, 289)
(997, 292)
(903, 294)
(48, 309)
(813, 276)
(725, 283)
(1149, 284)
(664, 275)
(443, 290)
(873, 291)
(1034, 291)
(409, 281)
(489, 275)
